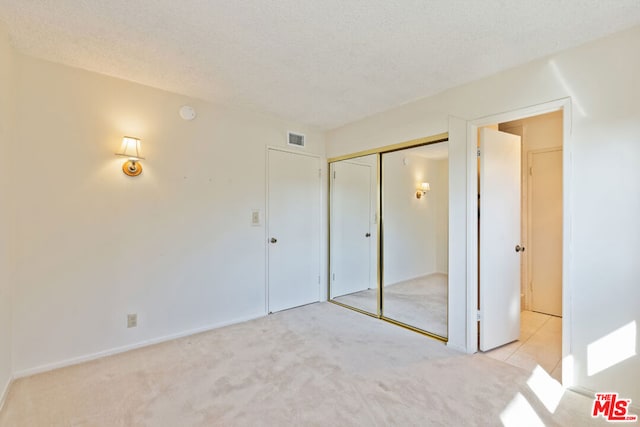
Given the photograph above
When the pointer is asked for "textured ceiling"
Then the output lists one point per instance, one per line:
(318, 62)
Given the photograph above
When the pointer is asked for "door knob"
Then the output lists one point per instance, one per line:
(274, 240)
(367, 235)
(519, 248)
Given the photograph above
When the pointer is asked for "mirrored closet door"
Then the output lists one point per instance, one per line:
(353, 233)
(415, 237)
(396, 268)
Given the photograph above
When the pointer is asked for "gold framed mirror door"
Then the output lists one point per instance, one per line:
(353, 233)
(388, 234)
(415, 244)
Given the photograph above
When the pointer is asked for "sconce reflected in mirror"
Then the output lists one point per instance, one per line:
(422, 189)
(131, 149)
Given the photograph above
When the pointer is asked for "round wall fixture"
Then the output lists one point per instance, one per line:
(132, 168)
(187, 112)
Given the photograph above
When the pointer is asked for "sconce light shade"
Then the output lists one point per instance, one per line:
(422, 189)
(131, 149)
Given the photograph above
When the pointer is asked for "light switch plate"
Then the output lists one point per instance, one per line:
(256, 218)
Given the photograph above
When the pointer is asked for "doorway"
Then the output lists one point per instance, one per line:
(293, 232)
(538, 292)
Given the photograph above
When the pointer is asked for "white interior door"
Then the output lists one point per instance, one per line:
(294, 230)
(499, 237)
(545, 233)
(350, 228)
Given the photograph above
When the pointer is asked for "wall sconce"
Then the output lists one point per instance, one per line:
(131, 149)
(422, 190)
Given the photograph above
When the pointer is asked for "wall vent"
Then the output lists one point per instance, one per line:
(296, 139)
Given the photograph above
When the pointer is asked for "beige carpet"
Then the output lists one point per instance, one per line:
(420, 302)
(318, 365)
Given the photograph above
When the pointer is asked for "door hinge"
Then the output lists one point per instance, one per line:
(478, 153)
(334, 174)
(531, 171)
(478, 315)
(333, 277)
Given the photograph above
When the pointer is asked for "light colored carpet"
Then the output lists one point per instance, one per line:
(318, 365)
(419, 302)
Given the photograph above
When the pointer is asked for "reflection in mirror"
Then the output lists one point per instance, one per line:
(353, 233)
(415, 213)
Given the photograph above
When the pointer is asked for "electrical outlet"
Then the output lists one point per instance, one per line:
(132, 320)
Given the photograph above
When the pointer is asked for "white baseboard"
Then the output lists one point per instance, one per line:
(5, 392)
(582, 391)
(122, 349)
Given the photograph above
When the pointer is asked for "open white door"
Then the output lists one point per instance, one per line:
(350, 228)
(294, 230)
(499, 238)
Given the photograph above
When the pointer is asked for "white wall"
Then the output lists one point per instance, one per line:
(411, 235)
(602, 80)
(6, 208)
(174, 245)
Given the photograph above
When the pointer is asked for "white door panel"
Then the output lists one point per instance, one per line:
(350, 228)
(545, 235)
(294, 230)
(499, 235)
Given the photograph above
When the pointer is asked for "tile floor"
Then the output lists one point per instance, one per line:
(540, 343)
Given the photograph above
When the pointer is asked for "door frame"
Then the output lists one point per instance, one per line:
(269, 148)
(564, 105)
